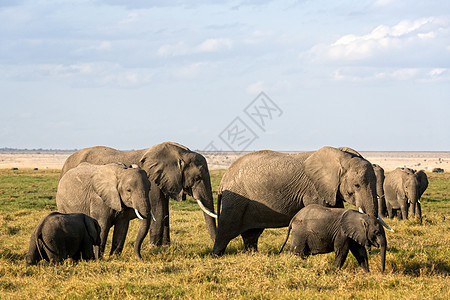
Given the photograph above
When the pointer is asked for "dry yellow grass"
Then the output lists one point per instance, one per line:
(418, 259)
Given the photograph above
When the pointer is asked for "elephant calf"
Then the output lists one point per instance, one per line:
(59, 236)
(317, 229)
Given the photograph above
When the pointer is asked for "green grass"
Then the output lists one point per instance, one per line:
(417, 264)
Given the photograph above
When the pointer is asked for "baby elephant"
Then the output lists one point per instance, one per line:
(59, 236)
(317, 229)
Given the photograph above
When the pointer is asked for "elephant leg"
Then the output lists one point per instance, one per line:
(104, 226)
(404, 212)
(119, 236)
(229, 227)
(299, 245)
(160, 208)
(340, 254)
(389, 210)
(419, 211)
(166, 229)
(87, 250)
(56, 256)
(361, 255)
(77, 256)
(250, 238)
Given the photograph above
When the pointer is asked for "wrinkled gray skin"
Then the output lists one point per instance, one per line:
(317, 229)
(379, 174)
(265, 189)
(110, 194)
(173, 171)
(403, 188)
(61, 236)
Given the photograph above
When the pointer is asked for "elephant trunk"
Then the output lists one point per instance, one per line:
(383, 253)
(143, 211)
(413, 198)
(202, 193)
(370, 206)
(419, 210)
(96, 249)
(144, 226)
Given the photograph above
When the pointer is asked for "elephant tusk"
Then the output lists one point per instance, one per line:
(138, 215)
(384, 223)
(418, 201)
(361, 210)
(205, 210)
(153, 216)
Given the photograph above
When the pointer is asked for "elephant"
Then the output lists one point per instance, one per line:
(113, 194)
(403, 188)
(173, 171)
(379, 174)
(423, 185)
(265, 189)
(317, 229)
(60, 236)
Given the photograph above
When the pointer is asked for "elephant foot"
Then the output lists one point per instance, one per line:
(216, 255)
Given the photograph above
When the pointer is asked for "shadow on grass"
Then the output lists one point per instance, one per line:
(13, 257)
(417, 269)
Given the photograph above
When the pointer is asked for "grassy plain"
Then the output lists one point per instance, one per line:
(417, 267)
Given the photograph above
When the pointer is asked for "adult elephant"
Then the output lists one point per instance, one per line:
(265, 189)
(423, 185)
(379, 174)
(403, 188)
(172, 170)
(113, 195)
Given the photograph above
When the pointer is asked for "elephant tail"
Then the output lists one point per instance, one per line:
(36, 241)
(287, 237)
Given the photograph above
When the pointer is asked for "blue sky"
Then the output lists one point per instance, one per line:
(371, 75)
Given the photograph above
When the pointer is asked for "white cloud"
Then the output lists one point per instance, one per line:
(130, 18)
(214, 45)
(81, 74)
(255, 88)
(354, 74)
(405, 37)
(191, 71)
(382, 3)
(177, 49)
(208, 45)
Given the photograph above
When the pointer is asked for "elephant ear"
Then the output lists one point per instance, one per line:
(164, 165)
(324, 169)
(423, 181)
(93, 229)
(354, 226)
(104, 182)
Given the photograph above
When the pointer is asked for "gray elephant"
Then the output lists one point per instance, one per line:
(423, 185)
(265, 189)
(404, 188)
(379, 174)
(172, 170)
(317, 229)
(60, 236)
(112, 194)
